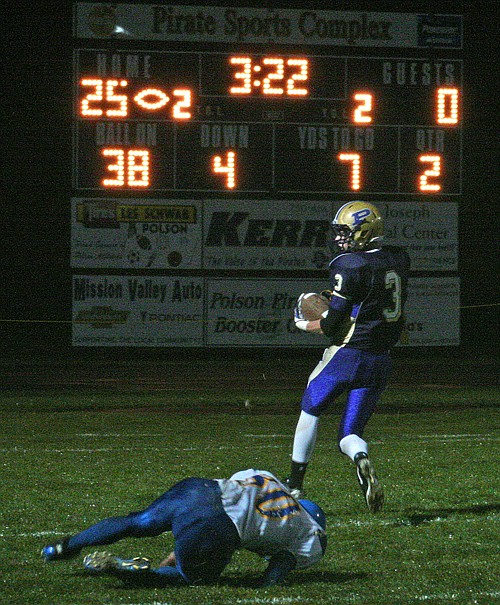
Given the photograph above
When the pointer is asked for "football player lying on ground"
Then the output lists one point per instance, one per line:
(209, 520)
(364, 321)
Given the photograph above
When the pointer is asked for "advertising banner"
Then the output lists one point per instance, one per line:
(265, 26)
(432, 312)
(135, 234)
(137, 311)
(245, 312)
(428, 231)
(257, 312)
(266, 235)
(170, 312)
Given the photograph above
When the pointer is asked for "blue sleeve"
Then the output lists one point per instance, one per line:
(350, 277)
(170, 576)
(339, 311)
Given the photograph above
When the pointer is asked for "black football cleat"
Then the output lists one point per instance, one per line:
(58, 551)
(296, 492)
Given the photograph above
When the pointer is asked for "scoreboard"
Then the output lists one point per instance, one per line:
(263, 118)
(271, 109)
(185, 121)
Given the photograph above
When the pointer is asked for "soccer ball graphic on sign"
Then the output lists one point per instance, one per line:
(139, 249)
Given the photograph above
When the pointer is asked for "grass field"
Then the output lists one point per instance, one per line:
(73, 455)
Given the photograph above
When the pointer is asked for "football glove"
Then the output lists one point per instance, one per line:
(298, 315)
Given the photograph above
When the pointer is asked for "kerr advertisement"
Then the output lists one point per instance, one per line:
(257, 234)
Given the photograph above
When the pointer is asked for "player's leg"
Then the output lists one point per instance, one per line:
(358, 410)
(372, 370)
(154, 520)
(326, 382)
(303, 447)
(137, 571)
(205, 543)
(205, 539)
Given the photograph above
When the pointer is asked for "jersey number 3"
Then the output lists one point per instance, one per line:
(393, 284)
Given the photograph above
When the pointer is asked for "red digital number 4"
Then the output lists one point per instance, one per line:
(227, 169)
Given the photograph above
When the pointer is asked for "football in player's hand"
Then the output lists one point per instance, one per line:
(313, 306)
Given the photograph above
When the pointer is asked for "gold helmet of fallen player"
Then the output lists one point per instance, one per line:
(357, 226)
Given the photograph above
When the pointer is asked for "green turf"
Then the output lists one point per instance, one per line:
(71, 457)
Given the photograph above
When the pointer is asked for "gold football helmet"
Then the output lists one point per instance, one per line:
(357, 226)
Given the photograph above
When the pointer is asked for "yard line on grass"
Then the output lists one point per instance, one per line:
(456, 437)
(89, 450)
(425, 438)
(251, 436)
(37, 534)
(453, 596)
(257, 600)
(123, 434)
(406, 437)
(354, 598)
(341, 524)
(274, 600)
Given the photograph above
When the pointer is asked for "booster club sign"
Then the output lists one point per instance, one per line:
(256, 313)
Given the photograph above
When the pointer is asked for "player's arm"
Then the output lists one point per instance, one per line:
(301, 322)
(309, 326)
(280, 565)
(339, 311)
(348, 278)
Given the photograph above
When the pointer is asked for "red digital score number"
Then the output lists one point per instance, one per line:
(227, 169)
(131, 167)
(361, 114)
(446, 113)
(355, 172)
(447, 106)
(431, 173)
(105, 102)
(272, 76)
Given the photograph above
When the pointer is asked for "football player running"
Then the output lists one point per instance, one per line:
(364, 321)
(210, 519)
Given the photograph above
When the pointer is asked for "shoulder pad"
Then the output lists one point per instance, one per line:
(348, 260)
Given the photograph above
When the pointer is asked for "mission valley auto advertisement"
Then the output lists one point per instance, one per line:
(137, 311)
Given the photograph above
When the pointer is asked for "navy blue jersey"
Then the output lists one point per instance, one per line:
(370, 290)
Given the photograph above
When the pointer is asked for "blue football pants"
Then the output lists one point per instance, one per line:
(363, 375)
(205, 537)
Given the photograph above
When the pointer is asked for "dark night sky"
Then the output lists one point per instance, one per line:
(36, 167)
